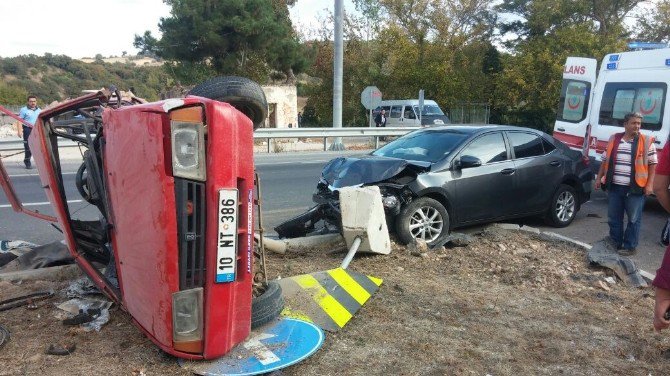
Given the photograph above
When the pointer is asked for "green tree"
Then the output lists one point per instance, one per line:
(653, 25)
(12, 94)
(246, 37)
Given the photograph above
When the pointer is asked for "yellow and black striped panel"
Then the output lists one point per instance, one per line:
(327, 298)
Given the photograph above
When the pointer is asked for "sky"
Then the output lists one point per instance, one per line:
(84, 28)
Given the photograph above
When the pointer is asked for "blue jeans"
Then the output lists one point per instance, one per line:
(620, 200)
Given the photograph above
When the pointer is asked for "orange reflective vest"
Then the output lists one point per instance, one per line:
(640, 165)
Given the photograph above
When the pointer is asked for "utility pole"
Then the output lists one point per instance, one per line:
(337, 75)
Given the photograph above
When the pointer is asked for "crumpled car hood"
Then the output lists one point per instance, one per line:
(367, 169)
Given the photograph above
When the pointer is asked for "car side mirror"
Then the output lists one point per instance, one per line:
(467, 161)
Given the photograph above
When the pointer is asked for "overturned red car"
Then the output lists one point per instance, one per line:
(173, 185)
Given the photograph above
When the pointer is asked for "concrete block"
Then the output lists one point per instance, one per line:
(363, 216)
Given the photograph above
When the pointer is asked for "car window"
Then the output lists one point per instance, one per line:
(429, 110)
(488, 148)
(426, 145)
(525, 144)
(409, 113)
(548, 146)
(395, 111)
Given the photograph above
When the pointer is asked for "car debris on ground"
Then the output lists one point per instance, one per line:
(509, 302)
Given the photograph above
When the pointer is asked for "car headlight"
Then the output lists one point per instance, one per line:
(188, 143)
(187, 320)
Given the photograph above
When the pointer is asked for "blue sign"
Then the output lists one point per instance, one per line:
(611, 66)
(667, 62)
(614, 57)
(279, 344)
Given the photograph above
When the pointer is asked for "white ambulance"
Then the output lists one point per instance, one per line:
(592, 109)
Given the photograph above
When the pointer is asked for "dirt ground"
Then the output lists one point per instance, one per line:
(509, 303)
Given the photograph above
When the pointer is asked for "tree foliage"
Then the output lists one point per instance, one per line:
(57, 77)
(244, 37)
(654, 24)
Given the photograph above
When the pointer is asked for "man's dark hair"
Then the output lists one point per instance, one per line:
(631, 115)
(31, 96)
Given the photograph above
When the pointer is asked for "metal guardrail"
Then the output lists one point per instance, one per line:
(273, 133)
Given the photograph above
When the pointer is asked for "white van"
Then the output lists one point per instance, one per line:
(405, 113)
(591, 110)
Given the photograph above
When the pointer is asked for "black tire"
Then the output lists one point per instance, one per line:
(410, 215)
(563, 207)
(80, 182)
(266, 307)
(242, 93)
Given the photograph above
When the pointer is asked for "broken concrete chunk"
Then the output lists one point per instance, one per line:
(603, 285)
(455, 239)
(417, 247)
(602, 254)
(363, 217)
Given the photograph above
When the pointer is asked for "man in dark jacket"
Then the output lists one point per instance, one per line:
(380, 119)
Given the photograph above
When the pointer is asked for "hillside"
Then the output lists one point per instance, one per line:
(57, 77)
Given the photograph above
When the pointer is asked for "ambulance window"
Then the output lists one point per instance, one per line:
(574, 101)
(620, 98)
(396, 111)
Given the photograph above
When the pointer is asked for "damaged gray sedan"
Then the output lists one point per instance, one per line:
(435, 179)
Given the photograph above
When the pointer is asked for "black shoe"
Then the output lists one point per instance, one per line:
(28, 165)
(610, 244)
(627, 251)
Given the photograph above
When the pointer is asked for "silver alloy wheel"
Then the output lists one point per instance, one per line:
(426, 223)
(565, 206)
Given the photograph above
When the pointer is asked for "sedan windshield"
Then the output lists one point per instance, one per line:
(427, 146)
(429, 110)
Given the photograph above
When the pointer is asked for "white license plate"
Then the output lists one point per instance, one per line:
(226, 252)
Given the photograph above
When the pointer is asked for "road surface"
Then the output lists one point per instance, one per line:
(287, 182)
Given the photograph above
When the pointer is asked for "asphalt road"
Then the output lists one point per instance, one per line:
(287, 183)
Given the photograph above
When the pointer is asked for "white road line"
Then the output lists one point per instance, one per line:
(39, 203)
(291, 162)
(36, 174)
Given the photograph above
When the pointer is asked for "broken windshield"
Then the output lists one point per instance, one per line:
(426, 146)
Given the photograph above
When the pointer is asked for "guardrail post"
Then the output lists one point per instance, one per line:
(269, 145)
(325, 144)
(376, 142)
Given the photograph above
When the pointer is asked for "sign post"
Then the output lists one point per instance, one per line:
(420, 105)
(371, 97)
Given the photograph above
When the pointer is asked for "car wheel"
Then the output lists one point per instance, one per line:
(563, 206)
(267, 306)
(425, 219)
(242, 93)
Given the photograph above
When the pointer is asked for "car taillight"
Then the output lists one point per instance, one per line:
(187, 320)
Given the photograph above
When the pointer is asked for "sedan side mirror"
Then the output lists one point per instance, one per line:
(467, 161)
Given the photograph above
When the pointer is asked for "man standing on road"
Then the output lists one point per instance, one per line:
(380, 119)
(29, 113)
(627, 171)
(662, 280)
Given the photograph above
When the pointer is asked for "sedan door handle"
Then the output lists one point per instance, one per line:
(555, 163)
(560, 129)
(508, 171)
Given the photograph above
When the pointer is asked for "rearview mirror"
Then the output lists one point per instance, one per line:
(467, 161)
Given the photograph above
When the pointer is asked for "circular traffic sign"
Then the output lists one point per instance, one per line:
(371, 97)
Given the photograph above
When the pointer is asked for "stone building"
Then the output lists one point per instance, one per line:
(282, 106)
